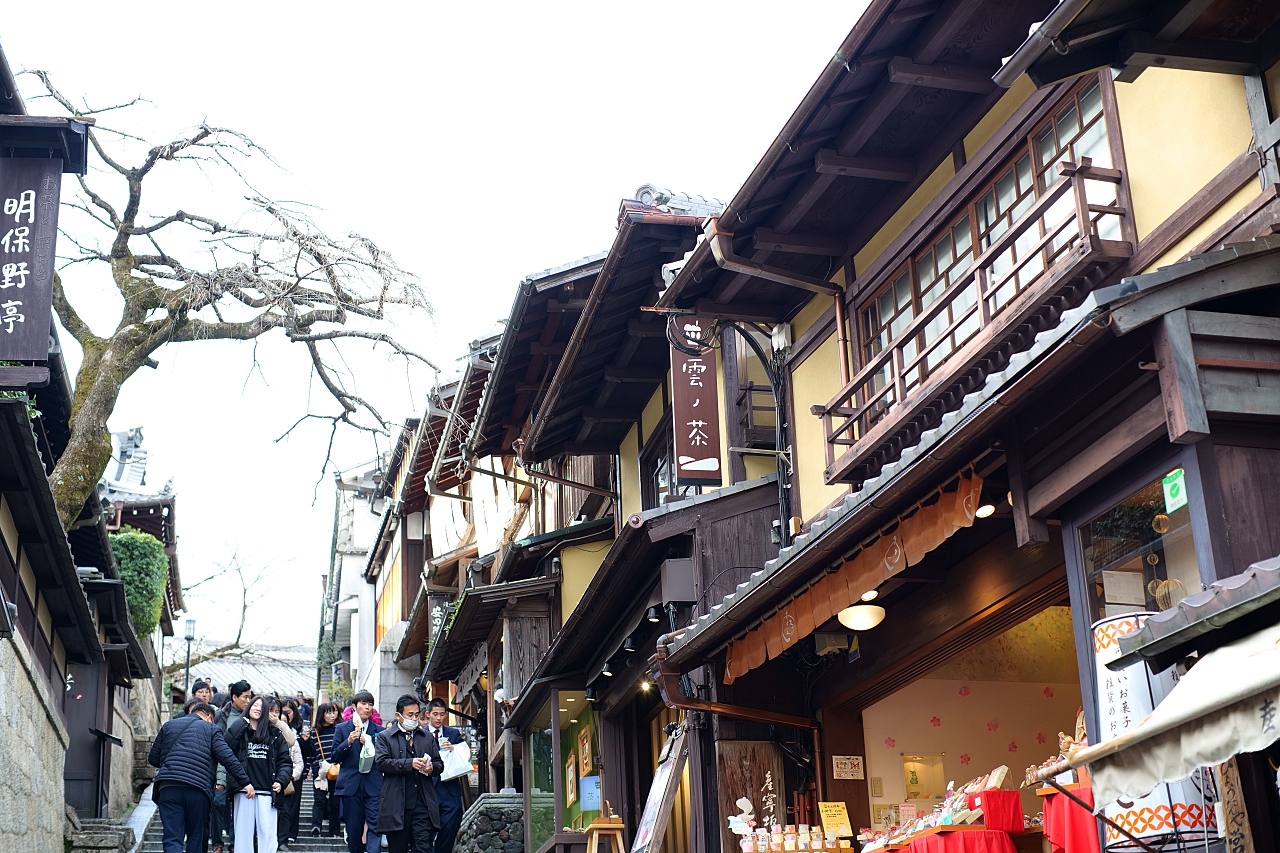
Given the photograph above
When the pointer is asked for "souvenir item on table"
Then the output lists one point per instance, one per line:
(744, 822)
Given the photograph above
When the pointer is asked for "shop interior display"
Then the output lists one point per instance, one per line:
(955, 810)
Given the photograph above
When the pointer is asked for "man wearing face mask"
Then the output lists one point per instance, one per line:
(407, 758)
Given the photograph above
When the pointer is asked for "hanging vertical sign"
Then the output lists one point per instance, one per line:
(28, 227)
(695, 412)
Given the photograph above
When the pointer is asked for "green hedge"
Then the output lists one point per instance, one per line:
(144, 568)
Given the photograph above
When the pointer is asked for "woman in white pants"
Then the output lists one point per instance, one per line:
(264, 754)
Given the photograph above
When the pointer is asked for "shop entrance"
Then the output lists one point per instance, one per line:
(990, 711)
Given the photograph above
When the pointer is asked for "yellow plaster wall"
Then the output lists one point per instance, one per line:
(808, 315)
(629, 473)
(903, 215)
(652, 413)
(998, 115)
(578, 565)
(1180, 128)
(8, 529)
(758, 466)
(815, 381)
(1202, 231)
(1273, 85)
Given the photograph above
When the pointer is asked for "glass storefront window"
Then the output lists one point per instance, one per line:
(1140, 554)
(542, 803)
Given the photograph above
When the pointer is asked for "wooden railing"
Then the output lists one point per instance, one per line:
(753, 401)
(1061, 236)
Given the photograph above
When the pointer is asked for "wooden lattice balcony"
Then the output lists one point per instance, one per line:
(1043, 264)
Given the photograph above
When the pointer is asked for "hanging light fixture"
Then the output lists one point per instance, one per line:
(590, 694)
(628, 645)
(861, 617)
(653, 615)
(986, 511)
(605, 670)
(870, 595)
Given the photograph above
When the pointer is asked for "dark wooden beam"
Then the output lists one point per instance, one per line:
(637, 375)
(558, 306)
(647, 328)
(1102, 457)
(828, 162)
(801, 244)
(954, 78)
(1184, 412)
(538, 348)
(1245, 275)
(1028, 529)
(1171, 18)
(1083, 60)
(745, 312)
(1137, 51)
(22, 378)
(857, 96)
(915, 13)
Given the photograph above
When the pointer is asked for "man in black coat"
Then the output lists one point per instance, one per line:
(187, 750)
(448, 793)
(408, 757)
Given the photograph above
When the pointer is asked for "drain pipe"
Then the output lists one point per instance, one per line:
(673, 695)
(722, 250)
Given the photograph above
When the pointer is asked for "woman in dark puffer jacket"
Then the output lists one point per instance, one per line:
(187, 750)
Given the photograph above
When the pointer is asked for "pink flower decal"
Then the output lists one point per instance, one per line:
(964, 758)
(992, 726)
(1048, 693)
(1040, 738)
(964, 691)
(935, 722)
(1013, 746)
(890, 743)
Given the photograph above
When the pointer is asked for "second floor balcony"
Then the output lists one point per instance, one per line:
(1013, 263)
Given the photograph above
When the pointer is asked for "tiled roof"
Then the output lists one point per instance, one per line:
(1169, 634)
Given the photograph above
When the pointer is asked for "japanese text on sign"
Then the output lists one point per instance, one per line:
(695, 412)
(28, 224)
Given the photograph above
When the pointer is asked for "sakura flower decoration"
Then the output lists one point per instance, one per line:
(1040, 738)
(1048, 693)
(964, 691)
(935, 722)
(992, 726)
(890, 743)
(1013, 746)
(964, 758)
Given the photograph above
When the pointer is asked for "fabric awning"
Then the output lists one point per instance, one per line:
(1226, 704)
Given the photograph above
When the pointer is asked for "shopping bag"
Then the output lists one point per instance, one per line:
(457, 761)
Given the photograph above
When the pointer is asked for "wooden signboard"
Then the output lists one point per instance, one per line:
(662, 793)
(28, 228)
(695, 412)
(1235, 820)
(751, 769)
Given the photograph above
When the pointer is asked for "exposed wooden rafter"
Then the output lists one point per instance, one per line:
(1138, 51)
(801, 244)
(954, 78)
(828, 162)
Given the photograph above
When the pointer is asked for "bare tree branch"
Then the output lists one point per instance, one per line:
(269, 268)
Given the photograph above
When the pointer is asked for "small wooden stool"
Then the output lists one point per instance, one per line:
(609, 828)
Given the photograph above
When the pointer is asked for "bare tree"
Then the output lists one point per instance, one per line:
(226, 648)
(185, 277)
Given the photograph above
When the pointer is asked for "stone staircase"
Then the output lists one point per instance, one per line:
(306, 843)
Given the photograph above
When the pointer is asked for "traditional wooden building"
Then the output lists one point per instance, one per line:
(1031, 293)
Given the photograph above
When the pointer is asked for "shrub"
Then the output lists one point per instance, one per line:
(144, 568)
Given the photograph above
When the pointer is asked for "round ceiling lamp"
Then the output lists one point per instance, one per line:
(986, 511)
(871, 595)
(861, 617)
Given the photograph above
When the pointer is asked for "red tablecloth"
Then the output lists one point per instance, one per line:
(1069, 828)
(973, 841)
(1001, 810)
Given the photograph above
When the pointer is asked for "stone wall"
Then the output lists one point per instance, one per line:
(493, 824)
(32, 811)
(121, 796)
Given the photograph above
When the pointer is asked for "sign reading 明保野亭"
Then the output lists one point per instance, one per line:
(28, 230)
(695, 412)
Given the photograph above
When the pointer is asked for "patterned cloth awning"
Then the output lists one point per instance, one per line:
(913, 537)
(1226, 704)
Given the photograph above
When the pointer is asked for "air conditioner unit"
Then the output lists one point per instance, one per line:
(830, 644)
(677, 580)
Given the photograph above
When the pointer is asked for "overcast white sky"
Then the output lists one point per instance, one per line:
(477, 142)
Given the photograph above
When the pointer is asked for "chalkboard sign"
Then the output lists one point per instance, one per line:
(657, 808)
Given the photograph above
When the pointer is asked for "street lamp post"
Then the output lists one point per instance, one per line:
(191, 635)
